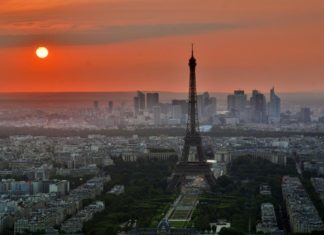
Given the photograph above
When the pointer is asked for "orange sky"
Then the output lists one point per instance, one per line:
(128, 45)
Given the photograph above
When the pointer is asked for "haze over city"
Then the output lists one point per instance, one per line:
(155, 117)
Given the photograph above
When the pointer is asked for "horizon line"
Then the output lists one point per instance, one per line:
(147, 91)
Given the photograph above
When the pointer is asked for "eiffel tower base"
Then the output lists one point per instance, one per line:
(184, 169)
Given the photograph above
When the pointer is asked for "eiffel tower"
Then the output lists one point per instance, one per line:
(198, 166)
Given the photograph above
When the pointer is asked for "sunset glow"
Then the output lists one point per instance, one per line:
(131, 45)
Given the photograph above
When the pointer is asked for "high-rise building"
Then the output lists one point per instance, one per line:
(206, 106)
(237, 105)
(236, 102)
(141, 97)
(184, 107)
(96, 104)
(166, 108)
(259, 107)
(152, 99)
(136, 105)
(157, 115)
(305, 115)
(177, 112)
(231, 103)
(274, 107)
(139, 102)
(110, 106)
(211, 108)
(200, 102)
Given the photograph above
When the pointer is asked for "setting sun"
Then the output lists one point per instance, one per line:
(42, 52)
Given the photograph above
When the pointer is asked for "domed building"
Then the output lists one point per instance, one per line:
(163, 228)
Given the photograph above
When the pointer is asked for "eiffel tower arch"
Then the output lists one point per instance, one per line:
(192, 164)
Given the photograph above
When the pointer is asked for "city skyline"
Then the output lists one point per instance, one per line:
(129, 46)
(134, 117)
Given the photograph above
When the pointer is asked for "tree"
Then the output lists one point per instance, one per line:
(214, 229)
(230, 231)
(202, 222)
(111, 230)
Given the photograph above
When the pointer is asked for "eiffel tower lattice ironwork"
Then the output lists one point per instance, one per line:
(187, 167)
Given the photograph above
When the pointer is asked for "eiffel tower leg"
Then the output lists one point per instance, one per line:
(211, 180)
(185, 153)
(200, 153)
(176, 182)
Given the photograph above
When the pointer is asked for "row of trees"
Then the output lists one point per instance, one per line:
(145, 199)
(5, 132)
(236, 196)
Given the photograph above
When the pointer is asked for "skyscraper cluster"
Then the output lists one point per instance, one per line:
(148, 106)
(255, 110)
(206, 106)
(141, 104)
(149, 103)
(152, 99)
(274, 107)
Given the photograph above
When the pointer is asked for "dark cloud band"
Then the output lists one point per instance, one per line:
(114, 34)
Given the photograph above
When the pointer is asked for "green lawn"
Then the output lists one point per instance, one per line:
(178, 224)
(145, 199)
(179, 214)
(236, 197)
